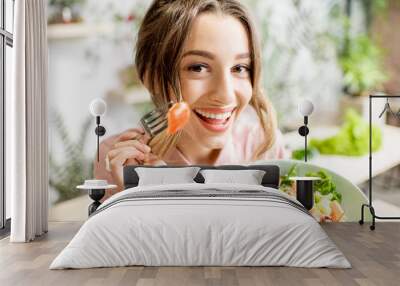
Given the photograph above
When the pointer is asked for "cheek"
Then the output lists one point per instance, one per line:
(244, 94)
(192, 90)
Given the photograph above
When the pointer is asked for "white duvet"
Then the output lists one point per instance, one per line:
(190, 230)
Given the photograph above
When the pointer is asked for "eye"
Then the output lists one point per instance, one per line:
(197, 67)
(242, 69)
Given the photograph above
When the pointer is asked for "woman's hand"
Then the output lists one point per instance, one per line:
(130, 149)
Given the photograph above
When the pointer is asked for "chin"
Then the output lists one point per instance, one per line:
(213, 142)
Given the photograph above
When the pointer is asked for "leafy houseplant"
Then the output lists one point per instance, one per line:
(361, 61)
(352, 138)
(362, 66)
(360, 58)
(65, 176)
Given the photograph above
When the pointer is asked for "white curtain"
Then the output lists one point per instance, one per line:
(26, 123)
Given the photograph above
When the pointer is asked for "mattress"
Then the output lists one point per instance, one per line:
(201, 225)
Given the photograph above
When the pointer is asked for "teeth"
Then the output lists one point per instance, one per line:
(223, 115)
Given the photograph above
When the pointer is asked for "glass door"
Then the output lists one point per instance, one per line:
(6, 44)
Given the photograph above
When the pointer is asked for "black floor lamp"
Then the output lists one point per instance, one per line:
(369, 205)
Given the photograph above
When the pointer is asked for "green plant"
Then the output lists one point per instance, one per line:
(327, 200)
(299, 154)
(285, 181)
(325, 186)
(65, 3)
(352, 138)
(65, 176)
(362, 66)
(360, 57)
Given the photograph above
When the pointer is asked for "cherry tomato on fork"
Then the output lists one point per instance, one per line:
(178, 116)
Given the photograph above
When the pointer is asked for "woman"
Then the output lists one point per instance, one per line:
(206, 53)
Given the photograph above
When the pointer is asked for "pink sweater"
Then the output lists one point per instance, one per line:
(246, 136)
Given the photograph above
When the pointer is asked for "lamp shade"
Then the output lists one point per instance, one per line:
(97, 107)
(306, 107)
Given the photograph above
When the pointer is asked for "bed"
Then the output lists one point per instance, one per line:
(201, 224)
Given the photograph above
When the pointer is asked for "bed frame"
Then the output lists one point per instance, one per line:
(131, 178)
(270, 179)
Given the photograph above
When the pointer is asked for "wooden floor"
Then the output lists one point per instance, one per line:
(375, 257)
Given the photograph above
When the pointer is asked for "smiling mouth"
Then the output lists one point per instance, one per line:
(215, 119)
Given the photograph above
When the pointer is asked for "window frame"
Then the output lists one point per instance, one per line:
(6, 39)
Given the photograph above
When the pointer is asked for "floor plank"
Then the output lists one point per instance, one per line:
(374, 255)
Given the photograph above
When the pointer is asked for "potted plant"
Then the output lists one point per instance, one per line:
(361, 61)
(65, 11)
(362, 67)
(64, 176)
(363, 73)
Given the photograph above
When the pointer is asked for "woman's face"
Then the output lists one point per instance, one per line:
(215, 77)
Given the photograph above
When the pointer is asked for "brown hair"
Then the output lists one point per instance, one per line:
(159, 48)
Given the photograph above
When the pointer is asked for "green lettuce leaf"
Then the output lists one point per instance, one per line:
(352, 139)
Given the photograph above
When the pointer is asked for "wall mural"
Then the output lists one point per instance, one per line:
(174, 100)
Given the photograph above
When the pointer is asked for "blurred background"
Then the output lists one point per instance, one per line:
(333, 52)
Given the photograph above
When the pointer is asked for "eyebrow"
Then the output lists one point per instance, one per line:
(211, 56)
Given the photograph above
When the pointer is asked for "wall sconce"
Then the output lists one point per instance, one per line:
(98, 108)
(306, 107)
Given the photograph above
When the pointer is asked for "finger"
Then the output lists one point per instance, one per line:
(134, 143)
(107, 161)
(145, 138)
(129, 135)
(131, 161)
(151, 156)
(152, 159)
(119, 161)
(128, 150)
(117, 166)
(136, 129)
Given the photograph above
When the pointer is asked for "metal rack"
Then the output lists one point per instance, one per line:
(369, 205)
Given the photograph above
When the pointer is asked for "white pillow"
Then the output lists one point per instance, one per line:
(162, 176)
(249, 177)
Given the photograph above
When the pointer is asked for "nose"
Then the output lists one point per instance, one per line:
(224, 89)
